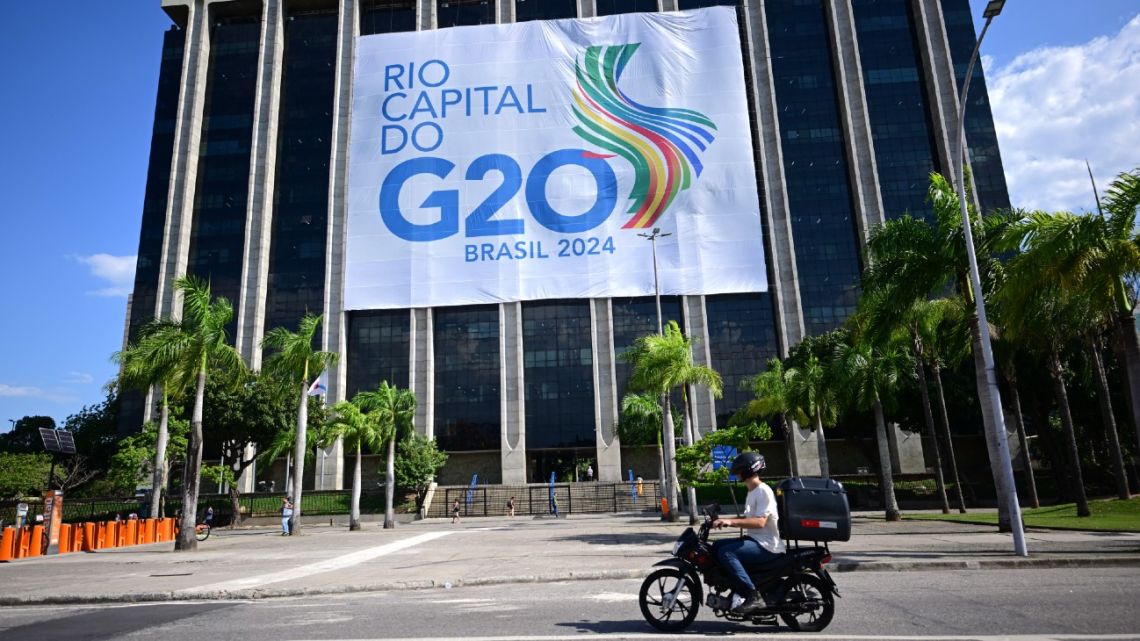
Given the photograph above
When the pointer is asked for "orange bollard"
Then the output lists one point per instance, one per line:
(111, 534)
(23, 542)
(152, 530)
(130, 532)
(77, 537)
(89, 541)
(169, 522)
(64, 538)
(36, 545)
(8, 544)
(121, 534)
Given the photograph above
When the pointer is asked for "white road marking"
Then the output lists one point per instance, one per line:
(613, 597)
(328, 565)
(780, 636)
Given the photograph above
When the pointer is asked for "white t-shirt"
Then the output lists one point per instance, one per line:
(762, 502)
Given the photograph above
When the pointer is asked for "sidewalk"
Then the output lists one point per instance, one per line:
(259, 563)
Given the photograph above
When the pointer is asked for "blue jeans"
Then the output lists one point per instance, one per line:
(734, 554)
(285, 523)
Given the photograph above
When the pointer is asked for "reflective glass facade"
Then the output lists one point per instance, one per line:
(985, 159)
(634, 318)
(458, 13)
(467, 374)
(815, 165)
(558, 370)
(742, 337)
(701, 4)
(545, 9)
(378, 349)
(896, 98)
(387, 16)
(217, 239)
(300, 202)
(611, 7)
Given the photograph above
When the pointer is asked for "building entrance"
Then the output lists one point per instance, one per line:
(568, 465)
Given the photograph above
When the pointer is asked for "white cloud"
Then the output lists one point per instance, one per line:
(28, 391)
(78, 377)
(119, 271)
(1056, 106)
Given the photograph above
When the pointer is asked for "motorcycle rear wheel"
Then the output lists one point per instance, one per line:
(657, 588)
(801, 588)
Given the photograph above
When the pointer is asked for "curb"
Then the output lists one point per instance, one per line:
(838, 566)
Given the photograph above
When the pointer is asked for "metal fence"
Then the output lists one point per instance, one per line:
(573, 498)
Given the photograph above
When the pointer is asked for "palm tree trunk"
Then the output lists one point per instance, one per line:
(187, 542)
(991, 422)
(158, 484)
(354, 515)
(937, 371)
(789, 445)
(928, 414)
(1122, 492)
(821, 446)
(670, 488)
(289, 473)
(390, 484)
(661, 462)
(687, 434)
(1130, 346)
(1070, 434)
(887, 482)
(1026, 461)
(299, 455)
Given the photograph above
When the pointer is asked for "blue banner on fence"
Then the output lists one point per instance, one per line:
(471, 490)
(722, 456)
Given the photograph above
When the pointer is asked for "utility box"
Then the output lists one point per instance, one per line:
(813, 509)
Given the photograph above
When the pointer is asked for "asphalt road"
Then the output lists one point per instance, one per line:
(975, 604)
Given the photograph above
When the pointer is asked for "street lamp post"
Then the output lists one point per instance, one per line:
(997, 432)
(324, 455)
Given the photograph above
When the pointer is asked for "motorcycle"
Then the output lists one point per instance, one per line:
(796, 586)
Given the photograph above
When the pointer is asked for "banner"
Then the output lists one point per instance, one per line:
(529, 161)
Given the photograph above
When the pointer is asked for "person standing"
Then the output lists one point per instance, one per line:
(590, 473)
(511, 507)
(554, 505)
(455, 511)
(286, 514)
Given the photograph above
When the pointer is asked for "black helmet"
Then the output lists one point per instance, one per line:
(747, 464)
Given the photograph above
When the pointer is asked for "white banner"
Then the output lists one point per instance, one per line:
(525, 161)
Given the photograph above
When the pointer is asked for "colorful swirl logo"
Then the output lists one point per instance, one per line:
(662, 144)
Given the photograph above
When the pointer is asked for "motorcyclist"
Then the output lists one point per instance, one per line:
(761, 541)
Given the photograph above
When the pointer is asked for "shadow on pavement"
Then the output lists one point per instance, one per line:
(111, 623)
(640, 538)
(707, 626)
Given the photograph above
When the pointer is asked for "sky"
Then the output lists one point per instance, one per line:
(77, 107)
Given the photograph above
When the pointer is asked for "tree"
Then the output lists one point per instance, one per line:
(284, 442)
(95, 429)
(812, 400)
(24, 437)
(662, 363)
(23, 474)
(295, 360)
(395, 408)
(202, 347)
(639, 424)
(358, 430)
(695, 461)
(418, 459)
(157, 358)
(772, 392)
(136, 455)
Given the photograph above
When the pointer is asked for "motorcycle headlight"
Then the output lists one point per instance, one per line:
(677, 545)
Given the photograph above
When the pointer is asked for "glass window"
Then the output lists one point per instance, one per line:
(300, 204)
(701, 4)
(612, 7)
(558, 370)
(815, 164)
(217, 239)
(545, 9)
(742, 337)
(458, 13)
(387, 16)
(634, 318)
(896, 99)
(378, 349)
(467, 369)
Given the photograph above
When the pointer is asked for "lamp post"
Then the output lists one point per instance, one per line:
(997, 431)
(324, 455)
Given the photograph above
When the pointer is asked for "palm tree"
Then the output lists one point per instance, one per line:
(812, 399)
(154, 360)
(868, 375)
(662, 363)
(202, 347)
(359, 430)
(640, 424)
(394, 408)
(773, 397)
(295, 360)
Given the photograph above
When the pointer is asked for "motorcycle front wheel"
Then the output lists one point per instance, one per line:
(818, 604)
(668, 600)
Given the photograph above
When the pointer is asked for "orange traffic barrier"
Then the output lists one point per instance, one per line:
(131, 532)
(64, 538)
(23, 542)
(77, 537)
(8, 544)
(170, 528)
(664, 507)
(110, 534)
(36, 546)
(89, 530)
(152, 530)
(160, 530)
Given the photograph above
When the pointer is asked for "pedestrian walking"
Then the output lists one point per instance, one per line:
(590, 473)
(554, 505)
(209, 520)
(511, 507)
(286, 514)
(455, 511)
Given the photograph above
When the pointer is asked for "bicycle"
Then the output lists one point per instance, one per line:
(202, 531)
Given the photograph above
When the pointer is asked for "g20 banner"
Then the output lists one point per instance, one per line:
(526, 161)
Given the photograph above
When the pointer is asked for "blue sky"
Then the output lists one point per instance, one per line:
(77, 109)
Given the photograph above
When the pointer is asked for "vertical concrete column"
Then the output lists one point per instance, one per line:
(247, 482)
(939, 78)
(504, 13)
(262, 172)
(906, 451)
(421, 370)
(780, 243)
(184, 159)
(587, 9)
(513, 394)
(427, 15)
(701, 401)
(606, 407)
(854, 115)
(667, 5)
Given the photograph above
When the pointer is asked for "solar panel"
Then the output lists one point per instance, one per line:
(66, 441)
(51, 439)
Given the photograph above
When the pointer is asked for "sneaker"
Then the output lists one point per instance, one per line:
(754, 602)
